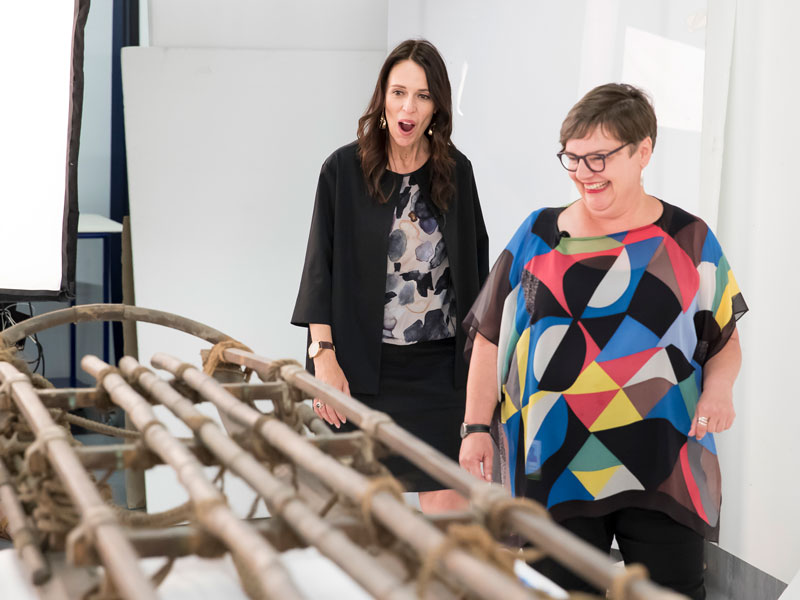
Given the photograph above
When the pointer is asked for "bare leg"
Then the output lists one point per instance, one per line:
(441, 501)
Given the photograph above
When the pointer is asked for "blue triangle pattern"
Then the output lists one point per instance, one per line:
(640, 253)
(553, 431)
(567, 487)
(682, 333)
(631, 337)
(512, 429)
(672, 408)
(708, 443)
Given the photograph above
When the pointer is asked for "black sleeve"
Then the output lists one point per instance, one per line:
(481, 236)
(313, 303)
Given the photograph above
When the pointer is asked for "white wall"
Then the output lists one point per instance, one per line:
(518, 66)
(303, 24)
(225, 141)
(758, 214)
(224, 151)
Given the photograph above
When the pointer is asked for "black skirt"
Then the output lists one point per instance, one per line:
(416, 390)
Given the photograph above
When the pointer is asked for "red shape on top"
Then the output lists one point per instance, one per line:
(622, 369)
(691, 484)
(587, 407)
(550, 269)
(592, 349)
(643, 233)
(685, 272)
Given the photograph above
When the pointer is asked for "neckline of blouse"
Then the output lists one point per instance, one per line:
(560, 237)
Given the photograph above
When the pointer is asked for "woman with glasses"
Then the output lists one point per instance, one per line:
(607, 331)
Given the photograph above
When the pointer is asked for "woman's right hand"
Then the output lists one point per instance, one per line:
(327, 370)
(477, 450)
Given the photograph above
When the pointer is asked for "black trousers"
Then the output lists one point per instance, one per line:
(672, 553)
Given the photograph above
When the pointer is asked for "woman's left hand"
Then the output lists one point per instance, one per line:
(716, 405)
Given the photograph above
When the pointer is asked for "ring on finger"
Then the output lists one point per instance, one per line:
(318, 404)
(702, 421)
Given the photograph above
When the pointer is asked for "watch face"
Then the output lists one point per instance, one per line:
(463, 430)
(313, 349)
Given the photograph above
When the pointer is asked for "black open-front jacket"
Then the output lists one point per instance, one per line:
(344, 277)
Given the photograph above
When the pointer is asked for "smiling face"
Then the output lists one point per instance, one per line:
(616, 189)
(409, 106)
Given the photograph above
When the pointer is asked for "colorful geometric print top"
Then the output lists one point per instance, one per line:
(602, 342)
(418, 305)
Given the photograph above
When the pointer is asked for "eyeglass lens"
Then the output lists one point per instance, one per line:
(595, 162)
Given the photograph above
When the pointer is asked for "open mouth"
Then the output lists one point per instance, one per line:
(406, 126)
(593, 188)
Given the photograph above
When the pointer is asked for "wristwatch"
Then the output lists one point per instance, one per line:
(466, 429)
(316, 347)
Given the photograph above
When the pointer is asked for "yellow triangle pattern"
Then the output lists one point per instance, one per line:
(532, 400)
(522, 346)
(592, 379)
(507, 408)
(620, 411)
(595, 481)
(725, 310)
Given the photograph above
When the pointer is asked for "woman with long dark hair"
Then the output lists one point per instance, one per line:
(396, 255)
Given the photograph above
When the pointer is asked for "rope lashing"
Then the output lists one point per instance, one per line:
(379, 484)
(214, 357)
(472, 538)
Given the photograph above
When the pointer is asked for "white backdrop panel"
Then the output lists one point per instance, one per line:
(296, 24)
(224, 151)
(35, 110)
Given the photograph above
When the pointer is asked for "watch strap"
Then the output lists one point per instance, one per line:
(466, 429)
(315, 348)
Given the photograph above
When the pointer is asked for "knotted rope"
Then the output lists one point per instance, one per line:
(472, 538)
(215, 357)
(285, 413)
(379, 484)
(8, 353)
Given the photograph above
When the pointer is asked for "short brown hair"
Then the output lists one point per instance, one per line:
(619, 109)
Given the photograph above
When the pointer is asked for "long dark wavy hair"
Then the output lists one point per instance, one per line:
(373, 142)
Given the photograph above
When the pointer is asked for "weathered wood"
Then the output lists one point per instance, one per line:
(281, 499)
(479, 577)
(259, 560)
(72, 398)
(109, 312)
(125, 456)
(21, 531)
(135, 494)
(185, 540)
(572, 552)
(116, 552)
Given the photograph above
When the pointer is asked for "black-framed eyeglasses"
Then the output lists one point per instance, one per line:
(595, 161)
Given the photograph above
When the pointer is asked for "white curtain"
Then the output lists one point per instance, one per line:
(750, 194)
